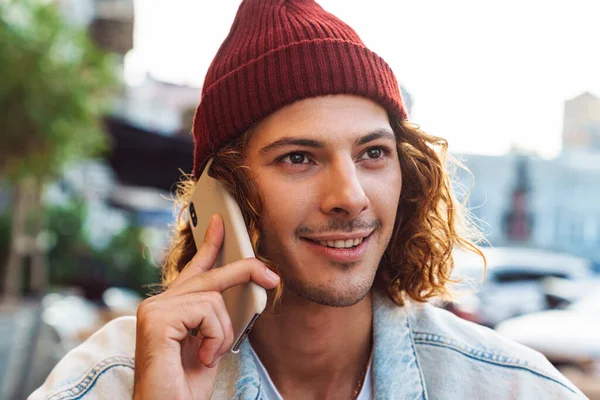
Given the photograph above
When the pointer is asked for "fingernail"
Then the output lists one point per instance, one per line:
(271, 275)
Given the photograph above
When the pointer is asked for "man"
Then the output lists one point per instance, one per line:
(349, 204)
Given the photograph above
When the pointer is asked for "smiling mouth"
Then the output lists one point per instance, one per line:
(339, 244)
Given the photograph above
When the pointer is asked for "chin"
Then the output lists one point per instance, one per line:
(331, 294)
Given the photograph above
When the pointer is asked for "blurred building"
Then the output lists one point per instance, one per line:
(518, 221)
(581, 127)
(112, 25)
(522, 199)
(558, 209)
(110, 22)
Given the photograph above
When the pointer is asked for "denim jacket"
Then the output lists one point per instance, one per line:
(420, 352)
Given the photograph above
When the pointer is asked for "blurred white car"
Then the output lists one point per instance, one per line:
(68, 314)
(73, 318)
(513, 284)
(121, 301)
(569, 338)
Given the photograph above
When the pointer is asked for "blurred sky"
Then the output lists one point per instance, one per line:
(485, 75)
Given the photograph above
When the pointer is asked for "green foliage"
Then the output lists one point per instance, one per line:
(54, 87)
(130, 261)
(73, 260)
(68, 243)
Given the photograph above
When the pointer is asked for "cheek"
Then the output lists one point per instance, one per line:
(384, 193)
(284, 205)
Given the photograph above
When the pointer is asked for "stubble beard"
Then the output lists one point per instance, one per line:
(333, 294)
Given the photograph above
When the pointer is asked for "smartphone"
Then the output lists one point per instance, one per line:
(244, 302)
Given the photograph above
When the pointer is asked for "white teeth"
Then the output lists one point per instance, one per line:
(341, 244)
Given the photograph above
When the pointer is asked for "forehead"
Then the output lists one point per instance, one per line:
(328, 118)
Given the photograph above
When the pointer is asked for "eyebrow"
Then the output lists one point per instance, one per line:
(316, 144)
(377, 134)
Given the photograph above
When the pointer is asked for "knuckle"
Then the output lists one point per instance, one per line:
(204, 307)
(188, 264)
(208, 307)
(215, 297)
(147, 314)
(145, 307)
(193, 301)
(196, 261)
(256, 265)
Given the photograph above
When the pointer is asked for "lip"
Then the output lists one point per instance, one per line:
(341, 236)
(340, 255)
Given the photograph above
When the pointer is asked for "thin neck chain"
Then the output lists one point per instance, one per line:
(361, 382)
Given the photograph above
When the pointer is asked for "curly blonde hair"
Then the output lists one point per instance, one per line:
(430, 222)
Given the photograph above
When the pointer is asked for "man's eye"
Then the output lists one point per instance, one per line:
(375, 153)
(295, 158)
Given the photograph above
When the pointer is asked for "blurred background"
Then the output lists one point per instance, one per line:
(96, 103)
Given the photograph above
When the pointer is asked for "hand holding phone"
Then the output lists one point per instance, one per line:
(244, 302)
(169, 362)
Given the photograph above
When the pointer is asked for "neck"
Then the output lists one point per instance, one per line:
(319, 351)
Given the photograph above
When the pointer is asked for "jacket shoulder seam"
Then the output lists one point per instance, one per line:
(80, 388)
(500, 360)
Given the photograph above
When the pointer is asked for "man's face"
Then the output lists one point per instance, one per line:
(328, 171)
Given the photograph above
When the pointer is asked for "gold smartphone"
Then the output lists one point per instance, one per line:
(244, 302)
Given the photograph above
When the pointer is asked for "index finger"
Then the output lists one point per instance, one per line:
(233, 274)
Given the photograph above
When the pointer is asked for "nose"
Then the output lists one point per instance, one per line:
(344, 195)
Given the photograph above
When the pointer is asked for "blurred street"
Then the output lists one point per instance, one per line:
(35, 335)
(23, 346)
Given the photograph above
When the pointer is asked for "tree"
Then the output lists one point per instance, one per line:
(55, 86)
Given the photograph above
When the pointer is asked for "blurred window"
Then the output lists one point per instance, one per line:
(576, 229)
(523, 275)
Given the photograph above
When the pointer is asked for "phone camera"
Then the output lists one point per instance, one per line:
(193, 215)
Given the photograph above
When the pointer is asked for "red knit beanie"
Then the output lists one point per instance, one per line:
(278, 52)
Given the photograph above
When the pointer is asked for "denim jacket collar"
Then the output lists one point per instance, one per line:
(396, 372)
